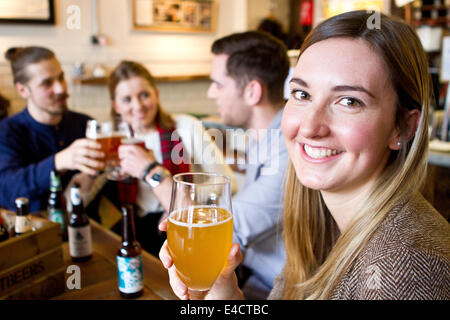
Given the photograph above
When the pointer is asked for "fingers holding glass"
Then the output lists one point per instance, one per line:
(200, 229)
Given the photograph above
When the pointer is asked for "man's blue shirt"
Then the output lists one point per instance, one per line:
(27, 155)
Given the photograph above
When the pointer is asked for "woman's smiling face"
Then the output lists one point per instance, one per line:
(137, 102)
(339, 121)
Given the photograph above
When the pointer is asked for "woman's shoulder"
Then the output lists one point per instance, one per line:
(417, 224)
(408, 257)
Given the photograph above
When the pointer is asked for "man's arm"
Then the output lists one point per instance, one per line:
(257, 207)
(17, 179)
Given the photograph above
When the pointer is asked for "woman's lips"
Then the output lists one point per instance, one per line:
(319, 154)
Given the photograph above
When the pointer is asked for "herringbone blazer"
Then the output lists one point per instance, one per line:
(408, 257)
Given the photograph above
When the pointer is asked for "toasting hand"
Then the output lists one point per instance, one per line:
(134, 159)
(83, 155)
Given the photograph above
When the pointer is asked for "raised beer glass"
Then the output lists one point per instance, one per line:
(110, 135)
(200, 229)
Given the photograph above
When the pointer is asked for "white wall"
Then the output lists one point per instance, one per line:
(164, 53)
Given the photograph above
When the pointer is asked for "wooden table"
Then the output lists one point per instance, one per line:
(99, 274)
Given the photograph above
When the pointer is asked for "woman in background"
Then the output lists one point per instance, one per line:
(172, 143)
(356, 129)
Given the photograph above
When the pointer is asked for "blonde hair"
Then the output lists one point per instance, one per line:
(317, 256)
(129, 69)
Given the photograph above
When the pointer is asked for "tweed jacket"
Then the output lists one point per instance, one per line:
(408, 257)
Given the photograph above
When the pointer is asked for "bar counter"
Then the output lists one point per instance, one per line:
(99, 274)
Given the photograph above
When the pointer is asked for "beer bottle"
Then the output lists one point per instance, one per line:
(23, 220)
(4, 235)
(129, 258)
(57, 205)
(80, 238)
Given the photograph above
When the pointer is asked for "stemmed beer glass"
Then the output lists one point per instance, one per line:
(200, 228)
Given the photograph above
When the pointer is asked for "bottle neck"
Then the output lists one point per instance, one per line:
(128, 235)
(77, 203)
(22, 211)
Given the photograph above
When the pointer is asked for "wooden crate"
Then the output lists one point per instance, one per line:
(28, 261)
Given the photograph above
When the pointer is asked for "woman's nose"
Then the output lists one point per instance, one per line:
(137, 104)
(314, 123)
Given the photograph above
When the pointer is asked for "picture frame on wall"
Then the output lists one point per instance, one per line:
(27, 11)
(174, 15)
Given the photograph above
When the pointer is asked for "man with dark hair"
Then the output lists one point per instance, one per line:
(248, 74)
(45, 136)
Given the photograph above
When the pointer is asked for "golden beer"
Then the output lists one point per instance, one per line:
(110, 146)
(199, 241)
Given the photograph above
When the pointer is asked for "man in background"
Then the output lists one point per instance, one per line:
(248, 74)
(45, 136)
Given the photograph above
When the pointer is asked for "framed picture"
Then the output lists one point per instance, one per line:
(27, 11)
(174, 15)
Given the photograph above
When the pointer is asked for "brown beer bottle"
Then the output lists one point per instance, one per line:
(129, 258)
(23, 220)
(57, 205)
(80, 238)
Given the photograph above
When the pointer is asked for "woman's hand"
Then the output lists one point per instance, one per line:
(134, 159)
(226, 285)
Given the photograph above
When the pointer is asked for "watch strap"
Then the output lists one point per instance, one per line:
(149, 168)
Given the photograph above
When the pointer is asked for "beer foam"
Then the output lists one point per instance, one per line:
(201, 225)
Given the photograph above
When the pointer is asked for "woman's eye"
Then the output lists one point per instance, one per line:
(350, 102)
(126, 100)
(300, 95)
(145, 95)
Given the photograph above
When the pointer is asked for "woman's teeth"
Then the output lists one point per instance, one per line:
(320, 153)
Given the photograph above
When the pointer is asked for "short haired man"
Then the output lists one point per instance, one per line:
(45, 136)
(248, 74)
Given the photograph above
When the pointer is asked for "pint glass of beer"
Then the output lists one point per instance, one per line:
(109, 134)
(200, 228)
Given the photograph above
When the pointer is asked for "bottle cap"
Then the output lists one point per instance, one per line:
(22, 201)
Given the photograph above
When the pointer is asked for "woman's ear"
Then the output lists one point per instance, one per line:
(413, 120)
(253, 92)
(412, 123)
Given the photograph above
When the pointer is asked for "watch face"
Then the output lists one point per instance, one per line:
(157, 177)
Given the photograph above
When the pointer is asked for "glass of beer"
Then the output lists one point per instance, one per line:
(200, 228)
(109, 134)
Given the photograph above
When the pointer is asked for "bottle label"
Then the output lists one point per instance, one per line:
(23, 224)
(80, 241)
(130, 274)
(75, 196)
(58, 215)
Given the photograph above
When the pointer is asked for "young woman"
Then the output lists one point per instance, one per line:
(355, 126)
(173, 142)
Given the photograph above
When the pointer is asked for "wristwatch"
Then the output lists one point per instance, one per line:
(157, 177)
